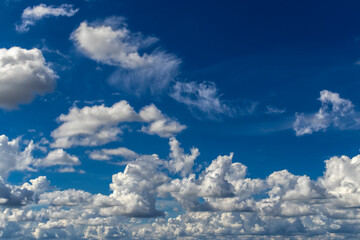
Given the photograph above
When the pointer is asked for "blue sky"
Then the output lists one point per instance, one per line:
(161, 120)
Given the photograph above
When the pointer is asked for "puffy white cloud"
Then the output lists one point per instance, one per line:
(202, 97)
(135, 188)
(58, 157)
(181, 162)
(31, 15)
(159, 124)
(219, 202)
(334, 111)
(111, 42)
(23, 75)
(12, 157)
(97, 125)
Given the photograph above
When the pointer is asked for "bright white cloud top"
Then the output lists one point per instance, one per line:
(23, 75)
(31, 15)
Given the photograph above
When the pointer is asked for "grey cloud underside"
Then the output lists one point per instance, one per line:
(231, 205)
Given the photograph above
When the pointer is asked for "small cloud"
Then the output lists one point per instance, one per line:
(31, 15)
(334, 111)
(274, 110)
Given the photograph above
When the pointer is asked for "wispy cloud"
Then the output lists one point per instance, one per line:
(31, 15)
(274, 110)
(139, 69)
(205, 101)
(334, 111)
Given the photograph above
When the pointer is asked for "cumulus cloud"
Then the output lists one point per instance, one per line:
(159, 124)
(111, 42)
(14, 157)
(219, 202)
(58, 157)
(14, 196)
(202, 97)
(181, 162)
(31, 15)
(334, 111)
(23, 75)
(97, 125)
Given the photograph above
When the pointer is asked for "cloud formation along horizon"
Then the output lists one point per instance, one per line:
(231, 205)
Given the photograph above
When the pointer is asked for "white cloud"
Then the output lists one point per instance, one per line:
(202, 97)
(274, 110)
(107, 154)
(58, 157)
(111, 42)
(97, 125)
(12, 157)
(159, 124)
(219, 202)
(181, 162)
(23, 75)
(31, 15)
(335, 111)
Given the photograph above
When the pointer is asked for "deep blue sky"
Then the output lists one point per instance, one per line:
(278, 53)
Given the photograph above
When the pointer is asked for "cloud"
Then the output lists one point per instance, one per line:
(334, 111)
(31, 15)
(15, 196)
(159, 124)
(23, 75)
(181, 162)
(58, 157)
(274, 110)
(98, 125)
(13, 157)
(108, 154)
(202, 98)
(139, 70)
(219, 202)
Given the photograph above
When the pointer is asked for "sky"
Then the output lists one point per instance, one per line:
(135, 119)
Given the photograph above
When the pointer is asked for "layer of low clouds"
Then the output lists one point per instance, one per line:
(334, 112)
(98, 125)
(31, 15)
(219, 202)
(23, 75)
(139, 69)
